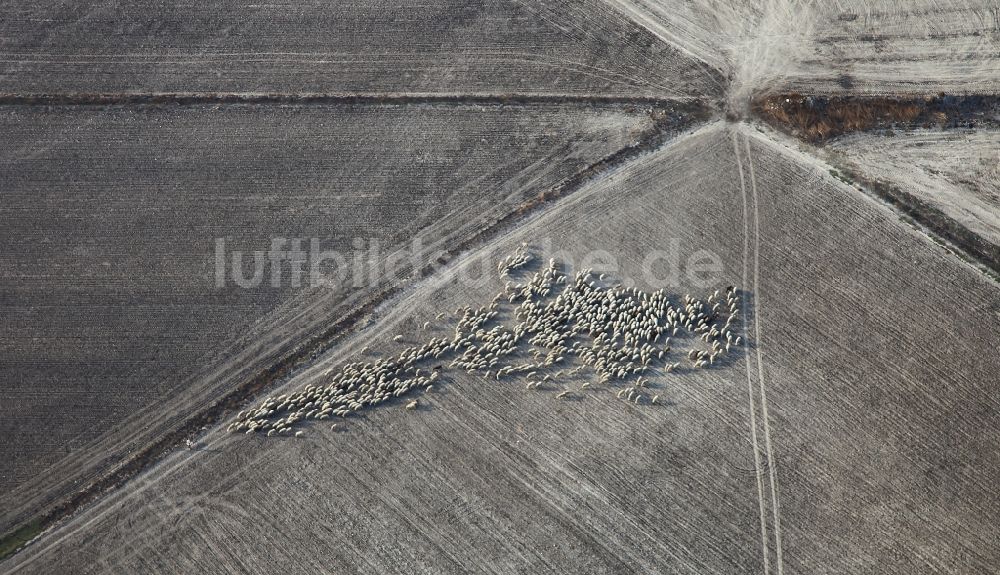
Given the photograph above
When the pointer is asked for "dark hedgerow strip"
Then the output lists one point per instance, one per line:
(819, 118)
(17, 538)
(816, 119)
(972, 247)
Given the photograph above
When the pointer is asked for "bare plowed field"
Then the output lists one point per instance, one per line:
(851, 433)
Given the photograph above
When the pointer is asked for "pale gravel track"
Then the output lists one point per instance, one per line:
(746, 351)
(771, 463)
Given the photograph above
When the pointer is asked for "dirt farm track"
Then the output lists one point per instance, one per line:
(537, 366)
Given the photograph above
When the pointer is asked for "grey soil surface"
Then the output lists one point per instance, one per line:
(865, 391)
(113, 325)
(396, 47)
(958, 172)
(856, 431)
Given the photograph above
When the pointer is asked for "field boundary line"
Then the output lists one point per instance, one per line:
(322, 98)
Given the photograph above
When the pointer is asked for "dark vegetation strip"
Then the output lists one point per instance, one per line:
(819, 118)
(976, 248)
(15, 539)
(668, 119)
(229, 98)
